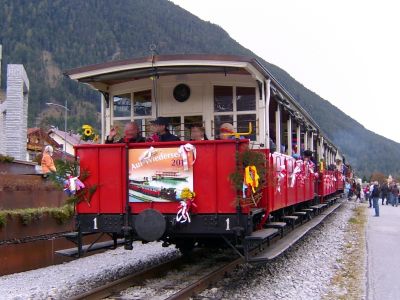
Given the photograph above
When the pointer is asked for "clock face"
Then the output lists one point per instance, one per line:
(181, 92)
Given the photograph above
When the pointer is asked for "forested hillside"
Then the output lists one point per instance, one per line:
(50, 36)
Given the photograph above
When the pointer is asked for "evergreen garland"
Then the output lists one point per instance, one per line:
(244, 159)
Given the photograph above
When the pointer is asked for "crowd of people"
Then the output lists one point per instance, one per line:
(387, 192)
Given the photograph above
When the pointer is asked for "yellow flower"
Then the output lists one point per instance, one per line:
(187, 194)
(87, 130)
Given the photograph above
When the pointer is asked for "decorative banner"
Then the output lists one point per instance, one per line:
(160, 174)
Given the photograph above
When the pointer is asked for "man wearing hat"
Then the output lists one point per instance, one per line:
(161, 132)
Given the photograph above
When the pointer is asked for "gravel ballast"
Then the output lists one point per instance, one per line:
(303, 272)
(73, 278)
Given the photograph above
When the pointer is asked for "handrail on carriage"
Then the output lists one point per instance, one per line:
(237, 135)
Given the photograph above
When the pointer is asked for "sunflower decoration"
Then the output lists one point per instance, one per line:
(88, 133)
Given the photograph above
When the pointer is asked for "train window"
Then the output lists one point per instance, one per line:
(219, 120)
(223, 98)
(122, 105)
(245, 98)
(243, 124)
(142, 103)
(144, 126)
(175, 126)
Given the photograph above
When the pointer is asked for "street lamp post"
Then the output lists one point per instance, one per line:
(65, 124)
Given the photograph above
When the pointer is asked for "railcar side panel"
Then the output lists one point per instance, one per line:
(89, 162)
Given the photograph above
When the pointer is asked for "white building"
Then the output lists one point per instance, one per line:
(14, 113)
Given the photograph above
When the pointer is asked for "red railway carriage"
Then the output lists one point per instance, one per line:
(145, 190)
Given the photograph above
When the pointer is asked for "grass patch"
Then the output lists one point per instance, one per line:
(28, 215)
(349, 280)
(6, 159)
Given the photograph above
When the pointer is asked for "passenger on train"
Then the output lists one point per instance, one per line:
(198, 133)
(161, 133)
(131, 134)
(226, 131)
(272, 145)
(308, 157)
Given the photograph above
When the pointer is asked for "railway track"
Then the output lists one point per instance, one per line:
(195, 274)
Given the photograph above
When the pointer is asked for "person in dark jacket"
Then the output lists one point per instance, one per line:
(385, 192)
(131, 134)
(375, 197)
(160, 130)
(358, 192)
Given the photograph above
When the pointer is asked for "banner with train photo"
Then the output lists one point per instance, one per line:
(160, 174)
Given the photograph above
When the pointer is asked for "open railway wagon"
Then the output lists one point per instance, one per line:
(144, 191)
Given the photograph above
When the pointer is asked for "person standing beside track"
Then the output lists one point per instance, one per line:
(371, 188)
(395, 197)
(347, 188)
(385, 193)
(376, 191)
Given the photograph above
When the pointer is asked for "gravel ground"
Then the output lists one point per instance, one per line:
(303, 272)
(73, 278)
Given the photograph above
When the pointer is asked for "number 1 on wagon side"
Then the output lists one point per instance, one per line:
(227, 224)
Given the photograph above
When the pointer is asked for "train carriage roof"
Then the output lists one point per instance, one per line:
(101, 76)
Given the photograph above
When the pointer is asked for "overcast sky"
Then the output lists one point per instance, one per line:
(348, 52)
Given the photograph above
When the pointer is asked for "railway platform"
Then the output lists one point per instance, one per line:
(383, 244)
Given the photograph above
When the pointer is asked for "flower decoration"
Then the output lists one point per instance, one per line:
(187, 194)
(186, 206)
(88, 133)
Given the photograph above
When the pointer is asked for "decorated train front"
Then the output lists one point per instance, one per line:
(207, 191)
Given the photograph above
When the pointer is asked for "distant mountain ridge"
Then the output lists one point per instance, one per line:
(49, 36)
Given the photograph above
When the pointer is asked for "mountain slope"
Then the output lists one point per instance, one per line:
(48, 36)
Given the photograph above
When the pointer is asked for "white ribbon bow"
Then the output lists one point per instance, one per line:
(182, 215)
(281, 175)
(183, 150)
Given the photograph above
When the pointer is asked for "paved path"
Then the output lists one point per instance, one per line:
(383, 246)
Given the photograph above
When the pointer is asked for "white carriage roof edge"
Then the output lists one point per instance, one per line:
(252, 65)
